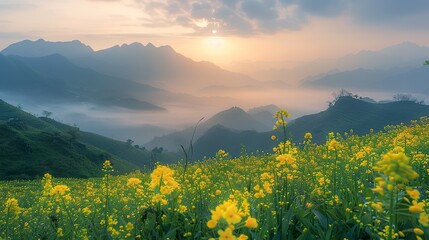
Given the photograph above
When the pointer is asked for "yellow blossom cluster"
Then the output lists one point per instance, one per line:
(230, 217)
(395, 165)
(162, 179)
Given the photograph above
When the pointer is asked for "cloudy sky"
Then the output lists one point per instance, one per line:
(223, 31)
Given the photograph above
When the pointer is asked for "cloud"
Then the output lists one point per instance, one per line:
(392, 13)
(247, 17)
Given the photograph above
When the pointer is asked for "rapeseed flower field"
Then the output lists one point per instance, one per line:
(352, 187)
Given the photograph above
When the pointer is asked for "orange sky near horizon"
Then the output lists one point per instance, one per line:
(105, 23)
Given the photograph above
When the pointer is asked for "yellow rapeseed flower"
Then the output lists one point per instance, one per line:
(12, 206)
(86, 211)
(413, 193)
(162, 177)
(242, 237)
(60, 190)
(285, 159)
(395, 165)
(133, 181)
(378, 206)
(418, 231)
(281, 113)
(226, 234)
(107, 166)
(424, 219)
(251, 223)
(417, 207)
(60, 232)
(333, 145)
(231, 215)
(129, 226)
(212, 224)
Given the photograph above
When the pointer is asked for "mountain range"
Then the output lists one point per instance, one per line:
(415, 80)
(361, 70)
(160, 66)
(398, 68)
(31, 146)
(233, 118)
(146, 79)
(54, 74)
(347, 113)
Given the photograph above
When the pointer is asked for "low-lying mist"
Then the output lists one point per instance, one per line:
(143, 126)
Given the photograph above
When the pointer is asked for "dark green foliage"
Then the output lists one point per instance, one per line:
(31, 147)
(347, 113)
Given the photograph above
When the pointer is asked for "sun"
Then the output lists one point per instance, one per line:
(215, 41)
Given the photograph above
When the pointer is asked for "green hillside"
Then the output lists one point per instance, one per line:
(138, 156)
(31, 146)
(347, 113)
(360, 116)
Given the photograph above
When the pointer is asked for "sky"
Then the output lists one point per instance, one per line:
(223, 31)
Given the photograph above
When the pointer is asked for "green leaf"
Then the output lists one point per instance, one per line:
(321, 218)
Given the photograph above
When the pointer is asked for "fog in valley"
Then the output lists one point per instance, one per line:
(143, 126)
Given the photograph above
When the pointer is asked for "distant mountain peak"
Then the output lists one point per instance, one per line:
(232, 110)
(41, 47)
(403, 46)
(236, 118)
(267, 108)
(150, 45)
(134, 44)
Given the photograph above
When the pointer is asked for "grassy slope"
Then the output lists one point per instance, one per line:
(30, 147)
(347, 113)
(139, 157)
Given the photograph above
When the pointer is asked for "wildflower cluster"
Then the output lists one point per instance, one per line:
(228, 218)
(163, 183)
(370, 187)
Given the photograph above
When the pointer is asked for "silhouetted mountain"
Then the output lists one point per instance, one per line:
(76, 83)
(232, 141)
(148, 64)
(264, 114)
(236, 118)
(354, 79)
(414, 80)
(404, 55)
(396, 80)
(346, 114)
(41, 48)
(31, 146)
(17, 77)
(233, 118)
(350, 113)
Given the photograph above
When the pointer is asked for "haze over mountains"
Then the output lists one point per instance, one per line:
(31, 146)
(346, 114)
(153, 97)
(351, 71)
(160, 66)
(235, 118)
(71, 83)
(136, 91)
(71, 72)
